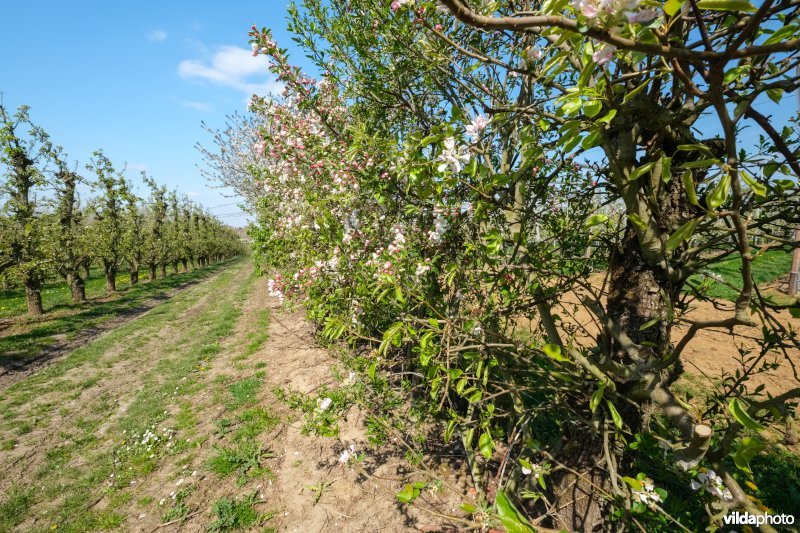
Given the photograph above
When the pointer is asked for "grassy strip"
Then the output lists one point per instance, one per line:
(38, 334)
(56, 294)
(766, 268)
(81, 469)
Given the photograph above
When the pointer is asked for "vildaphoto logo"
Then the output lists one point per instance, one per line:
(746, 519)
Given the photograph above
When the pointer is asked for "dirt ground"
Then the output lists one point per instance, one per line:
(124, 432)
(713, 352)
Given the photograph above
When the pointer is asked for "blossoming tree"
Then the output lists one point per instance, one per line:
(465, 179)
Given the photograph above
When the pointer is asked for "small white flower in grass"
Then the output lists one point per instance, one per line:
(526, 471)
(324, 403)
(348, 452)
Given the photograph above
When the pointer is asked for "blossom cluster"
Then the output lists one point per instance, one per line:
(710, 482)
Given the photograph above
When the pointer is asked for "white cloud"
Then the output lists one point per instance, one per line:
(157, 36)
(233, 67)
(193, 194)
(200, 106)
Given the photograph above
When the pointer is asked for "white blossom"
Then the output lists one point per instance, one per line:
(452, 157)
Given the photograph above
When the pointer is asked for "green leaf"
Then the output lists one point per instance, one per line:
(572, 106)
(468, 508)
(544, 125)
(781, 34)
(592, 108)
(741, 415)
(775, 95)
(553, 351)
(748, 448)
(637, 221)
(702, 163)
(696, 148)
(795, 312)
(594, 401)
(688, 184)
(726, 5)
(720, 192)
(449, 430)
(649, 324)
(585, 76)
(681, 234)
(636, 91)
(591, 140)
(614, 414)
(607, 118)
(641, 171)
(510, 517)
(759, 189)
(486, 445)
(672, 7)
(666, 168)
(595, 219)
(635, 484)
(571, 143)
(408, 494)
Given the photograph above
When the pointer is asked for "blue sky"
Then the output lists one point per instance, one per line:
(137, 78)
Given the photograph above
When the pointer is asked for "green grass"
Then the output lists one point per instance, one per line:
(67, 488)
(232, 514)
(39, 335)
(777, 476)
(243, 459)
(14, 507)
(56, 294)
(253, 422)
(766, 269)
(245, 391)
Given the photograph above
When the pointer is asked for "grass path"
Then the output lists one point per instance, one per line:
(176, 421)
(25, 339)
(79, 434)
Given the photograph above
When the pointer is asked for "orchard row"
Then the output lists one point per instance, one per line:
(47, 229)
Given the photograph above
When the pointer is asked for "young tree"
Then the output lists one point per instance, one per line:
(134, 234)
(174, 233)
(68, 234)
(155, 245)
(109, 224)
(22, 146)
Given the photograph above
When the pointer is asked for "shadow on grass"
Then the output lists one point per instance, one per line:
(45, 338)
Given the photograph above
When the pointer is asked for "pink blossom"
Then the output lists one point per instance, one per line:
(477, 125)
(645, 15)
(604, 54)
(534, 53)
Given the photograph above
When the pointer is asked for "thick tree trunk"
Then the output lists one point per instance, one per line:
(134, 276)
(111, 278)
(77, 287)
(86, 270)
(163, 270)
(33, 296)
(152, 271)
(175, 267)
(579, 499)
